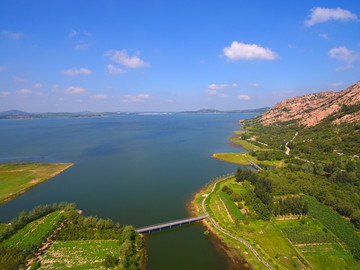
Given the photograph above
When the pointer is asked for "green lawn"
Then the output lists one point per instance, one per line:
(17, 178)
(34, 232)
(88, 254)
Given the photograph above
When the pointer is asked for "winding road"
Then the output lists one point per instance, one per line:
(221, 229)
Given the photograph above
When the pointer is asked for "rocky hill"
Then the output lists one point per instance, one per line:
(310, 110)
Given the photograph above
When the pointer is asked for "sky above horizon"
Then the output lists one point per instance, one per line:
(159, 56)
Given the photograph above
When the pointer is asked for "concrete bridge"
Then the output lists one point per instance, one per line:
(168, 225)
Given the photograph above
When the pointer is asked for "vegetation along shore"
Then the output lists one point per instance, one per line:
(302, 210)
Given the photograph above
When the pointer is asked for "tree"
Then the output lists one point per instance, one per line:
(111, 261)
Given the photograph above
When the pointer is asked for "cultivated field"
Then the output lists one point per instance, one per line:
(88, 254)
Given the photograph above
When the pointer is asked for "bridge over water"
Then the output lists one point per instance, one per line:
(168, 225)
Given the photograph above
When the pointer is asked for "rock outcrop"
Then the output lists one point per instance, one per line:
(310, 110)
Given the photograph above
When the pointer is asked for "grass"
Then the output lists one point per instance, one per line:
(2, 227)
(17, 178)
(243, 159)
(328, 256)
(34, 232)
(290, 244)
(87, 254)
(246, 144)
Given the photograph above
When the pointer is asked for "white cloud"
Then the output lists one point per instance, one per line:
(223, 95)
(77, 71)
(292, 46)
(254, 84)
(38, 85)
(336, 84)
(112, 70)
(211, 92)
(320, 15)
(19, 79)
(74, 90)
(73, 33)
(11, 35)
(244, 97)
(99, 96)
(238, 50)
(82, 45)
(24, 91)
(137, 98)
(324, 36)
(121, 57)
(4, 94)
(345, 55)
(222, 86)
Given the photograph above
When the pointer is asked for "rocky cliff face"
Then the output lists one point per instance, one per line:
(311, 109)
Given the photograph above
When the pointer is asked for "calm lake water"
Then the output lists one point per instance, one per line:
(138, 170)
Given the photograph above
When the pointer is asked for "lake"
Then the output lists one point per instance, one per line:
(139, 170)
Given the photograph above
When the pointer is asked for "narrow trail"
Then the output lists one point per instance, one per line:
(221, 229)
(287, 151)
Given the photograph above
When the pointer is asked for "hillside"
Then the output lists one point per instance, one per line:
(310, 110)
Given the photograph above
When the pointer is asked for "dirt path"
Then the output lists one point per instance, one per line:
(45, 245)
(287, 151)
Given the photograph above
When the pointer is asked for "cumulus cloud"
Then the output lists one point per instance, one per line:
(99, 96)
(19, 79)
(121, 57)
(222, 86)
(113, 70)
(4, 94)
(238, 50)
(137, 98)
(211, 92)
(11, 35)
(38, 85)
(23, 91)
(74, 90)
(321, 15)
(345, 55)
(82, 45)
(244, 97)
(73, 33)
(324, 36)
(254, 84)
(77, 71)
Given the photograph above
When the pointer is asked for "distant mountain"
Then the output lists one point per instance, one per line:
(310, 110)
(213, 111)
(13, 113)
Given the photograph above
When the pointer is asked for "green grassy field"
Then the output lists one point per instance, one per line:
(33, 233)
(88, 254)
(17, 178)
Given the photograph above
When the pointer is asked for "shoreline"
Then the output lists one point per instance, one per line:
(232, 258)
(34, 182)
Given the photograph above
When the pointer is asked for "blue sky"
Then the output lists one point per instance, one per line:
(65, 55)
